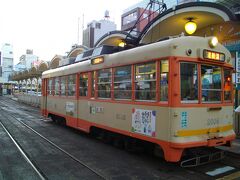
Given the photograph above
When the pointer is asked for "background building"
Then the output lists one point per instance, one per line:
(7, 61)
(19, 67)
(129, 19)
(27, 59)
(97, 29)
(6, 69)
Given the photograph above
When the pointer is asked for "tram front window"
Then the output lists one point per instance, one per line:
(189, 83)
(211, 83)
(227, 85)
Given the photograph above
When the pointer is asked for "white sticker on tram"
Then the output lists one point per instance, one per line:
(220, 171)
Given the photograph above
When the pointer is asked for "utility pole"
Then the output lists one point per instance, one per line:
(78, 30)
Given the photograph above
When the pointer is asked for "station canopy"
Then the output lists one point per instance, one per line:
(76, 50)
(113, 38)
(212, 19)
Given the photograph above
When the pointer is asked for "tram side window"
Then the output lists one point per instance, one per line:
(50, 87)
(93, 74)
(211, 83)
(164, 70)
(227, 85)
(57, 86)
(63, 86)
(145, 81)
(104, 83)
(189, 82)
(122, 82)
(71, 85)
(83, 89)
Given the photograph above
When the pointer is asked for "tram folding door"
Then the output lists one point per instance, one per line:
(44, 97)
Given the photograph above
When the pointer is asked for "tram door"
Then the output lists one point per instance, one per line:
(44, 97)
(84, 92)
(71, 103)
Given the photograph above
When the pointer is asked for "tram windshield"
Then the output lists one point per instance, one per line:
(214, 80)
(189, 85)
(211, 83)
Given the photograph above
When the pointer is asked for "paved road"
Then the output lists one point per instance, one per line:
(111, 162)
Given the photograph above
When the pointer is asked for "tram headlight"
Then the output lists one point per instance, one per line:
(213, 42)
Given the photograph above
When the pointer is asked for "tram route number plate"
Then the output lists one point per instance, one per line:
(144, 121)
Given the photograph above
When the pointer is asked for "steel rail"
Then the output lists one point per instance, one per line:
(59, 148)
(40, 174)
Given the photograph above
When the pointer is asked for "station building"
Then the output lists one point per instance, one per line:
(228, 33)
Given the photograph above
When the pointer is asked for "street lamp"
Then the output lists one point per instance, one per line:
(122, 44)
(190, 26)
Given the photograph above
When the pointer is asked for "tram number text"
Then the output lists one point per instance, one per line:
(212, 121)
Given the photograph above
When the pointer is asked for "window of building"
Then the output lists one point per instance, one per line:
(164, 70)
(71, 85)
(189, 82)
(93, 74)
(104, 83)
(145, 81)
(50, 86)
(98, 25)
(130, 18)
(122, 82)
(83, 83)
(211, 83)
(227, 85)
(57, 86)
(63, 86)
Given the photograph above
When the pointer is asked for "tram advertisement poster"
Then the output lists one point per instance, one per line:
(70, 106)
(144, 121)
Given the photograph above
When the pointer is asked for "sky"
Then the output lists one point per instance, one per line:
(50, 27)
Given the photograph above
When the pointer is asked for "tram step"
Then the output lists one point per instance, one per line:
(201, 160)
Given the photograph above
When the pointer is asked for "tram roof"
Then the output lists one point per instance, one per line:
(163, 49)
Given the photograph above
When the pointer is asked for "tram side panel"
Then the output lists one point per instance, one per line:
(202, 126)
(145, 122)
(63, 107)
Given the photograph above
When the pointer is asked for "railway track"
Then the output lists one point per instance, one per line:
(27, 159)
(150, 164)
(27, 156)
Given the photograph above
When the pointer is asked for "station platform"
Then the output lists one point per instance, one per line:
(235, 148)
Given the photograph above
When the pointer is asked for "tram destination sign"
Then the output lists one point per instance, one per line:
(97, 60)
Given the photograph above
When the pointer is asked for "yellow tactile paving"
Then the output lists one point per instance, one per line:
(233, 176)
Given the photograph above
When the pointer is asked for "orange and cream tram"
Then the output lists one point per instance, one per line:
(175, 93)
